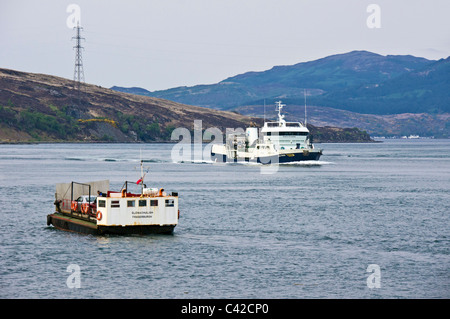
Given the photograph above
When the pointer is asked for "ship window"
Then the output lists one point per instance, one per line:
(101, 203)
(142, 202)
(131, 203)
(294, 133)
(154, 202)
(115, 204)
(170, 203)
(269, 133)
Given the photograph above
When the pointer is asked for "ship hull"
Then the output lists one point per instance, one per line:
(277, 159)
(83, 226)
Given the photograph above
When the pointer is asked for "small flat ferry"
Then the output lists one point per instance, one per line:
(91, 208)
(279, 142)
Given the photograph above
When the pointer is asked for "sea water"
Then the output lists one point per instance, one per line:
(366, 221)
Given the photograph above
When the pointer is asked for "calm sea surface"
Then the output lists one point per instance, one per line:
(306, 231)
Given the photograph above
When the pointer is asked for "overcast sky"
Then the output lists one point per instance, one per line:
(160, 44)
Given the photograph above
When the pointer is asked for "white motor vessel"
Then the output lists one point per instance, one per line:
(277, 142)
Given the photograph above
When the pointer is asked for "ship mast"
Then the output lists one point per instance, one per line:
(304, 92)
(264, 110)
(279, 107)
(142, 174)
(142, 178)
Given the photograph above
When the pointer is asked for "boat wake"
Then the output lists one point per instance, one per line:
(306, 163)
(194, 162)
(109, 159)
(299, 163)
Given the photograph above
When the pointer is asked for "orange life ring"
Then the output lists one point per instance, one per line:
(124, 192)
(99, 215)
(74, 205)
(85, 208)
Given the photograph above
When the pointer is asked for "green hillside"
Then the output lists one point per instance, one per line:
(45, 108)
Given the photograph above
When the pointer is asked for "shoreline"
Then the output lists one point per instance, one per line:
(373, 140)
(158, 142)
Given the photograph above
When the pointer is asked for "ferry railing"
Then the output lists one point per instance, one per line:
(71, 194)
(125, 185)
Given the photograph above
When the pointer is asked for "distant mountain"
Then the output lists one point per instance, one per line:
(44, 108)
(424, 90)
(357, 81)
